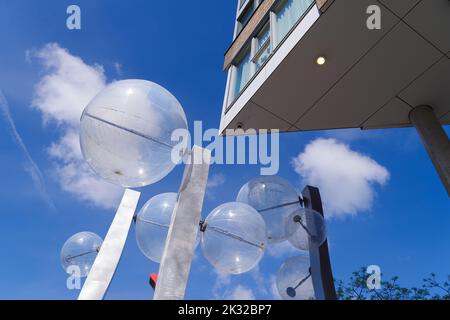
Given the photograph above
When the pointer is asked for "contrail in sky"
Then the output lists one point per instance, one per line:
(30, 167)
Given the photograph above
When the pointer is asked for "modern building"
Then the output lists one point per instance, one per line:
(299, 65)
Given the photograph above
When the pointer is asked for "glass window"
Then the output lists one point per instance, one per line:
(285, 16)
(241, 3)
(263, 48)
(288, 15)
(243, 73)
(246, 15)
(263, 37)
(262, 56)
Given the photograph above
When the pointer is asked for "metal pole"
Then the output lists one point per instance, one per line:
(435, 140)
(322, 275)
(110, 252)
(180, 244)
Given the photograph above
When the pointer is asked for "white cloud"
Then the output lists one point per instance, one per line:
(227, 287)
(76, 177)
(260, 280)
(240, 293)
(30, 167)
(346, 178)
(347, 135)
(68, 85)
(281, 250)
(61, 95)
(214, 182)
(118, 68)
(223, 289)
(274, 288)
(222, 281)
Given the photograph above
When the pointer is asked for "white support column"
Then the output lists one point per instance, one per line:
(108, 258)
(180, 244)
(435, 141)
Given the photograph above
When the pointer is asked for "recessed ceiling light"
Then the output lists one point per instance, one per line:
(321, 60)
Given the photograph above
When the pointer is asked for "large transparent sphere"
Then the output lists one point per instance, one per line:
(235, 238)
(126, 133)
(307, 228)
(294, 281)
(153, 223)
(80, 251)
(275, 199)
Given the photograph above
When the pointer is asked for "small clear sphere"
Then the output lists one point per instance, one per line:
(235, 238)
(275, 199)
(126, 130)
(294, 281)
(153, 223)
(307, 229)
(80, 251)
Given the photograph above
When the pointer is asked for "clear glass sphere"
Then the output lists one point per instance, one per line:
(275, 199)
(307, 229)
(153, 223)
(235, 238)
(126, 133)
(294, 281)
(80, 251)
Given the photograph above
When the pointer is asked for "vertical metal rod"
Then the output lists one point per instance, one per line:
(322, 274)
(108, 258)
(180, 244)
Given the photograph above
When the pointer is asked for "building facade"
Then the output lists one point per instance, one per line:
(298, 65)
(261, 28)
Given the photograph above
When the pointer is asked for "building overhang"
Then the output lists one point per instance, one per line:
(371, 78)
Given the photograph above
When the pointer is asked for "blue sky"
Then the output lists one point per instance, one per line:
(180, 45)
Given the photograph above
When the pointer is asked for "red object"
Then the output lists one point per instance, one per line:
(153, 280)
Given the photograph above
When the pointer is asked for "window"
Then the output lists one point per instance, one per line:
(243, 71)
(245, 12)
(288, 14)
(262, 46)
(276, 27)
(246, 15)
(252, 58)
(241, 3)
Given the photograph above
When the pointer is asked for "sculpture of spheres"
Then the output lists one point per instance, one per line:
(152, 225)
(80, 251)
(234, 238)
(307, 229)
(275, 199)
(126, 130)
(294, 280)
